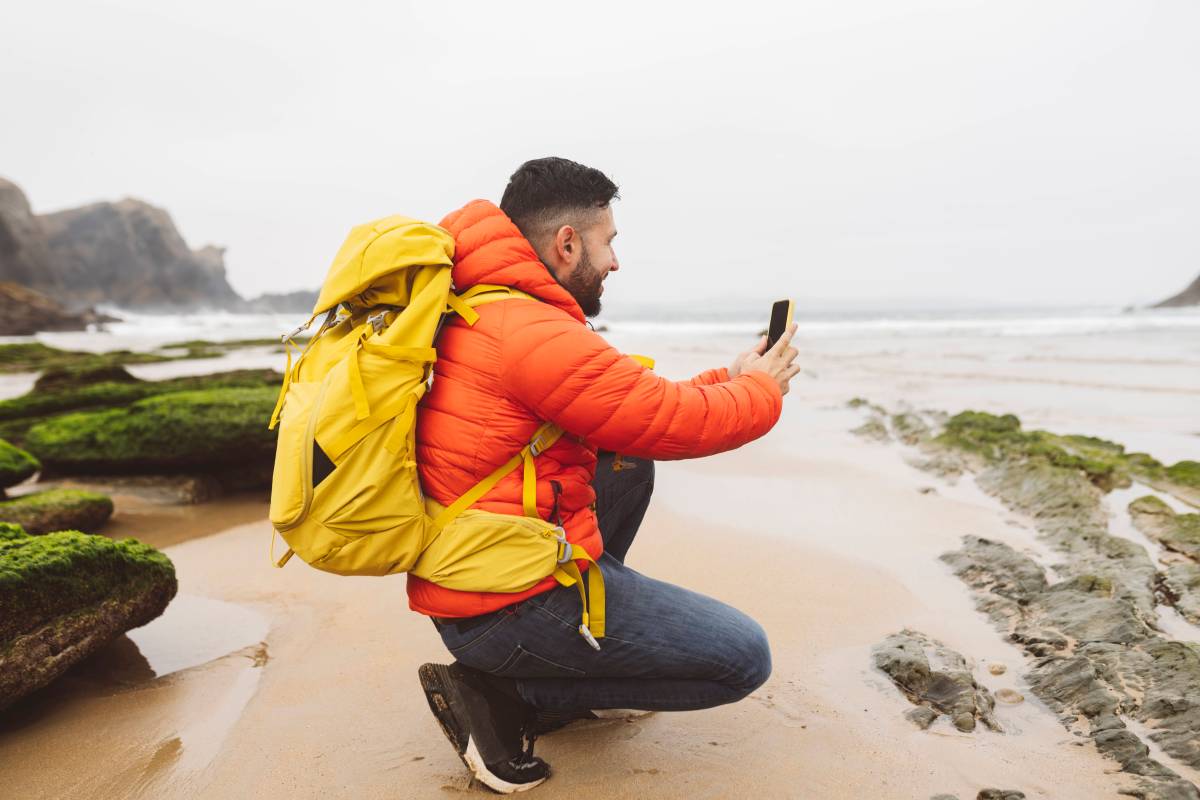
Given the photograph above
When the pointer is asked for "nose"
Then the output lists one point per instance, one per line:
(615, 266)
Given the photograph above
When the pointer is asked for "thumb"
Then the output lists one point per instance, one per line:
(762, 345)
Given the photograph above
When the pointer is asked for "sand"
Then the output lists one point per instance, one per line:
(295, 684)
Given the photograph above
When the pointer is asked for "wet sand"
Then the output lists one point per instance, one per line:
(295, 684)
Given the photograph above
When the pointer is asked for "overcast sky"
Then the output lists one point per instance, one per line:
(964, 153)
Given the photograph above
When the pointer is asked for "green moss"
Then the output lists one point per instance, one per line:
(35, 357)
(1185, 473)
(57, 510)
(15, 466)
(45, 577)
(998, 437)
(187, 431)
(70, 390)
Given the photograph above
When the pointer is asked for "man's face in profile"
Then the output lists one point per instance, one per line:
(585, 281)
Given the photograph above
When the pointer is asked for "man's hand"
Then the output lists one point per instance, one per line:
(776, 362)
(738, 365)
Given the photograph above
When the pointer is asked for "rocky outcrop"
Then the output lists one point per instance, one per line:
(298, 302)
(65, 595)
(64, 390)
(15, 466)
(220, 431)
(936, 679)
(1188, 297)
(130, 254)
(126, 253)
(57, 510)
(1099, 654)
(24, 311)
(24, 257)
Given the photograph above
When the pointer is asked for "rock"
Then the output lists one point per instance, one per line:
(1181, 588)
(873, 429)
(298, 302)
(1156, 519)
(65, 595)
(15, 466)
(219, 431)
(921, 716)
(1009, 696)
(997, 669)
(127, 253)
(57, 510)
(1097, 656)
(24, 311)
(910, 428)
(65, 389)
(945, 686)
(1188, 297)
(1000, 794)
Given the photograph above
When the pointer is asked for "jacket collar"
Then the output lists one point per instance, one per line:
(489, 248)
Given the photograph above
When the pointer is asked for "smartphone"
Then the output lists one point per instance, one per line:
(781, 317)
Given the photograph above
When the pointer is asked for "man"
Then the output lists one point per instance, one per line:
(520, 657)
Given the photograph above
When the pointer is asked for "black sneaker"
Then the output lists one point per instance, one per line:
(486, 726)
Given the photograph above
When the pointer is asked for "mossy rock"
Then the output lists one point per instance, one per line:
(194, 431)
(1185, 473)
(36, 357)
(67, 594)
(58, 510)
(1156, 519)
(995, 438)
(87, 389)
(15, 466)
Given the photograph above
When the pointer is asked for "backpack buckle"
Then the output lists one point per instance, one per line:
(537, 445)
(377, 320)
(564, 547)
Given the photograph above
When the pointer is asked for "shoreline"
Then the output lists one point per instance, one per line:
(832, 542)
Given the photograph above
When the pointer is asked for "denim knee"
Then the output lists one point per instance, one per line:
(754, 659)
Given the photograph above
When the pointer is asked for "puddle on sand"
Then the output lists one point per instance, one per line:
(195, 630)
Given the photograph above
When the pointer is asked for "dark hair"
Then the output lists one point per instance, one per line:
(546, 193)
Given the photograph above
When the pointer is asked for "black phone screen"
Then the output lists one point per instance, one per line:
(781, 315)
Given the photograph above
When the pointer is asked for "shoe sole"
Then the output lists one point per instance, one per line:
(444, 699)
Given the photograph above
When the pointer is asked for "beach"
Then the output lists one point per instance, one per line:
(260, 682)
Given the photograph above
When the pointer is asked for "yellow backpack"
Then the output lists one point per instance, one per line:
(345, 494)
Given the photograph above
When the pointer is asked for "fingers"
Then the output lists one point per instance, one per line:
(785, 340)
(761, 347)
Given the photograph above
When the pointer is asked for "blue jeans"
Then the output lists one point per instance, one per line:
(666, 648)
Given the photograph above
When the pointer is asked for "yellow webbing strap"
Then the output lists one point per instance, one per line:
(403, 424)
(286, 556)
(287, 381)
(645, 361)
(335, 448)
(592, 599)
(456, 304)
(545, 436)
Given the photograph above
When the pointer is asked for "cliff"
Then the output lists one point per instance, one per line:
(126, 253)
(1188, 297)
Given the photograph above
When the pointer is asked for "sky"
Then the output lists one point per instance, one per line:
(844, 153)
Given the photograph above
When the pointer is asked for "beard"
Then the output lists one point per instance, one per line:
(583, 283)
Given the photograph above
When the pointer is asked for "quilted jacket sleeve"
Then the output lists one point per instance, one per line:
(710, 377)
(566, 373)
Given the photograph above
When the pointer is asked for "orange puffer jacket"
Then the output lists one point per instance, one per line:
(526, 361)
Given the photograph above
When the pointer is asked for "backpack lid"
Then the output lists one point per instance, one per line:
(374, 253)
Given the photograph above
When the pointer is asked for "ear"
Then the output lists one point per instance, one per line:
(567, 247)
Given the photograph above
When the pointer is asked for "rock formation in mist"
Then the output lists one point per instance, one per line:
(24, 312)
(126, 253)
(1188, 297)
(300, 301)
